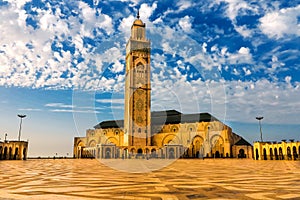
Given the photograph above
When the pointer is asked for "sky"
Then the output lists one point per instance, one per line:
(62, 64)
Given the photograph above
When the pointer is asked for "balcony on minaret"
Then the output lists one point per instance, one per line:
(138, 29)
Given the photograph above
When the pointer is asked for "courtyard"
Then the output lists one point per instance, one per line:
(159, 179)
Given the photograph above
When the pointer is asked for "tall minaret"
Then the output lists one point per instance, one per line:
(137, 114)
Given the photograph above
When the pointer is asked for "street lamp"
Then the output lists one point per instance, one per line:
(259, 119)
(21, 117)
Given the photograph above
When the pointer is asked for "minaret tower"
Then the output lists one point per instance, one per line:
(137, 114)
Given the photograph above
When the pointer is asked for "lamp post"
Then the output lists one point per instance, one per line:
(21, 117)
(5, 137)
(259, 119)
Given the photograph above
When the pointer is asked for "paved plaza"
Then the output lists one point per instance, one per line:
(183, 179)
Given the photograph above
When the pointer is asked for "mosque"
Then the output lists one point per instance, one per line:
(159, 134)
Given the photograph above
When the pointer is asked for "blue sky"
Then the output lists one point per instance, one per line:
(62, 64)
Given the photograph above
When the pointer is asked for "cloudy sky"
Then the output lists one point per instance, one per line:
(62, 64)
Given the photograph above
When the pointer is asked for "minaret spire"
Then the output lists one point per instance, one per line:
(138, 14)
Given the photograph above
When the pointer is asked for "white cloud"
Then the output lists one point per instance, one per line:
(273, 100)
(246, 71)
(276, 65)
(74, 111)
(58, 105)
(125, 26)
(184, 4)
(279, 23)
(146, 11)
(29, 109)
(28, 59)
(112, 101)
(237, 8)
(186, 24)
(242, 56)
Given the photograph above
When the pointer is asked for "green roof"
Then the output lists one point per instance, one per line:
(163, 117)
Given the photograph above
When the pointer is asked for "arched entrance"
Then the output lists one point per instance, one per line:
(242, 153)
(265, 154)
(256, 154)
(276, 153)
(288, 152)
(5, 153)
(10, 153)
(195, 147)
(295, 156)
(171, 153)
(139, 153)
(107, 153)
(217, 146)
(125, 153)
(280, 154)
(24, 154)
(153, 153)
(16, 153)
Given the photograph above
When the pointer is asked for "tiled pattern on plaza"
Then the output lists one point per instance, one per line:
(183, 179)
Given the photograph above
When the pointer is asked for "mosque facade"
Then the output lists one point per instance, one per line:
(160, 134)
(13, 150)
(272, 150)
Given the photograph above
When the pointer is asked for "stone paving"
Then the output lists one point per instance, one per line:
(183, 179)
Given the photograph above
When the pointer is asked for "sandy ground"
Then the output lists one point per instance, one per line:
(157, 179)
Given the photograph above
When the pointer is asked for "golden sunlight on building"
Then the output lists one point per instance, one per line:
(277, 150)
(161, 134)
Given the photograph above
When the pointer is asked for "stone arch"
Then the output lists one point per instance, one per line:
(280, 154)
(16, 155)
(170, 139)
(140, 61)
(216, 138)
(111, 140)
(256, 154)
(295, 155)
(5, 153)
(80, 143)
(1, 148)
(80, 146)
(265, 153)
(171, 153)
(242, 153)
(140, 151)
(24, 153)
(217, 144)
(276, 153)
(92, 143)
(10, 153)
(196, 146)
(107, 152)
(288, 153)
